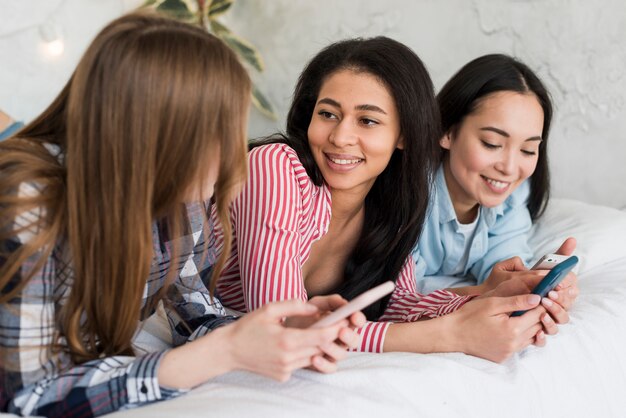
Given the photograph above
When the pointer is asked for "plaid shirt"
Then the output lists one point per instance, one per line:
(35, 381)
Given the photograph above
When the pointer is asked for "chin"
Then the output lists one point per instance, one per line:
(493, 202)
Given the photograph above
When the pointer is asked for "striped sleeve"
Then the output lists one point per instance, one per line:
(407, 305)
(372, 337)
(267, 217)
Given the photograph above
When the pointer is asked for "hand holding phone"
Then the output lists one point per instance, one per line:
(358, 303)
(553, 278)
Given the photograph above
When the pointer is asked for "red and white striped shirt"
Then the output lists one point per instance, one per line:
(276, 219)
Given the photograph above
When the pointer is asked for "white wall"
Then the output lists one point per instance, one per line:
(577, 47)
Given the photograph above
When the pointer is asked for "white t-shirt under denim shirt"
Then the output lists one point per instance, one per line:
(443, 249)
(467, 230)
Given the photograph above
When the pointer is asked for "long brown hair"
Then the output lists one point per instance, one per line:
(150, 105)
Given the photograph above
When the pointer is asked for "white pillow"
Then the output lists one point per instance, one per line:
(600, 232)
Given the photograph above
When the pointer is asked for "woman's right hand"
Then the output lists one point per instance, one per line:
(483, 327)
(260, 343)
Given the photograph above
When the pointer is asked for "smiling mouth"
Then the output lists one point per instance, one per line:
(495, 185)
(342, 162)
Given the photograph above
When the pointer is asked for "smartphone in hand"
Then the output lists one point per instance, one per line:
(362, 301)
(548, 261)
(553, 278)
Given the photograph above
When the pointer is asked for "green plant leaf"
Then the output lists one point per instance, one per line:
(244, 49)
(178, 9)
(260, 102)
(219, 7)
(217, 28)
(149, 3)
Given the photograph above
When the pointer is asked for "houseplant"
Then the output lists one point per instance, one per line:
(205, 13)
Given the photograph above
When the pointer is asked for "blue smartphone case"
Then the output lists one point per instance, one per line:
(553, 278)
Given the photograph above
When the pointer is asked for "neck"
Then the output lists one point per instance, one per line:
(465, 208)
(346, 206)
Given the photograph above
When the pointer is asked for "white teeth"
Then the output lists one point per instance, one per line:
(344, 162)
(497, 184)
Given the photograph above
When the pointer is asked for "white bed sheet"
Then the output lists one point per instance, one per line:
(580, 373)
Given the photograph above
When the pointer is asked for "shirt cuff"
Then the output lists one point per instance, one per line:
(372, 337)
(436, 304)
(142, 383)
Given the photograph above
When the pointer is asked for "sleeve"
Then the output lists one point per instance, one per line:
(36, 381)
(191, 310)
(508, 237)
(407, 305)
(266, 217)
(10, 130)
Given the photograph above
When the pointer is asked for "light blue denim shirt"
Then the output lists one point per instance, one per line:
(501, 233)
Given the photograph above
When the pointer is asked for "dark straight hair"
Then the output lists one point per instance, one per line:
(487, 75)
(396, 205)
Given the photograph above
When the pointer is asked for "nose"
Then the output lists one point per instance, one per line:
(507, 163)
(343, 134)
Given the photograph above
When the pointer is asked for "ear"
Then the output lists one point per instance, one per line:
(400, 144)
(446, 141)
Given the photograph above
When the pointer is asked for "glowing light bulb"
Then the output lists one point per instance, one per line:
(53, 41)
(55, 48)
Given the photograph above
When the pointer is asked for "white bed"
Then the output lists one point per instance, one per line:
(580, 373)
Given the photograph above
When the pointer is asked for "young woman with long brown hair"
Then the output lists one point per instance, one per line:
(103, 212)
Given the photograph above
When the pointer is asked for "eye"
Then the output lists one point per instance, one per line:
(489, 145)
(368, 122)
(528, 153)
(326, 115)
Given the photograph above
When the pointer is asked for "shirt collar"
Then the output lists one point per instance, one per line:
(444, 203)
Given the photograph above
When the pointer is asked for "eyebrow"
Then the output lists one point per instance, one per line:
(506, 134)
(368, 107)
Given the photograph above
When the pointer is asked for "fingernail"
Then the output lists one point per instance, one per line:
(547, 319)
(533, 299)
(311, 308)
(553, 295)
(546, 302)
(541, 335)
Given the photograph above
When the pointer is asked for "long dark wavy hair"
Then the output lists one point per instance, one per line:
(487, 75)
(396, 205)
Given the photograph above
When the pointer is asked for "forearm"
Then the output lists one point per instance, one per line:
(196, 362)
(469, 290)
(427, 336)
